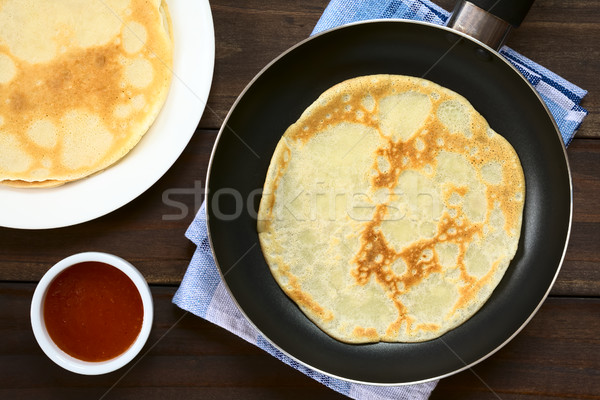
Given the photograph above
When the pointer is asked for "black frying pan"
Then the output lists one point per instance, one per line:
(276, 98)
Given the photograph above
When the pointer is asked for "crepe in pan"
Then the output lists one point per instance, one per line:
(80, 83)
(390, 210)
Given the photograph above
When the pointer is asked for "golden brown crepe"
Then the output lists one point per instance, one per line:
(391, 210)
(80, 84)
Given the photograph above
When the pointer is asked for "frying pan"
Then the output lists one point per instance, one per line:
(276, 98)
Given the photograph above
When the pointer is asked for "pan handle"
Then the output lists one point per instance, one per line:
(489, 21)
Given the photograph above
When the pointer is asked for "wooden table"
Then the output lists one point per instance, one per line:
(556, 356)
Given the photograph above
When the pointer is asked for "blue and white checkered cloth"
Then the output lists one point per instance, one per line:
(203, 293)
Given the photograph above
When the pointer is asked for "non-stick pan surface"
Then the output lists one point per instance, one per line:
(276, 98)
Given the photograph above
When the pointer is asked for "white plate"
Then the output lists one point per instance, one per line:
(106, 191)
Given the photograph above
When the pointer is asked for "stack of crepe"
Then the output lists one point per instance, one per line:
(80, 83)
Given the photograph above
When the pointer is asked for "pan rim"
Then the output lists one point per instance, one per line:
(383, 21)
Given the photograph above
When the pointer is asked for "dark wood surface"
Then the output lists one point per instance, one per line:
(557, 355)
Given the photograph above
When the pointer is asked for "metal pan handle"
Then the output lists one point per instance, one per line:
(489, 21)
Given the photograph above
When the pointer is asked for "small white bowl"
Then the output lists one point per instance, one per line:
(65, 360)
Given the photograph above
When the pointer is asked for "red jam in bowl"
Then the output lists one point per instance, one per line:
(93, 311)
